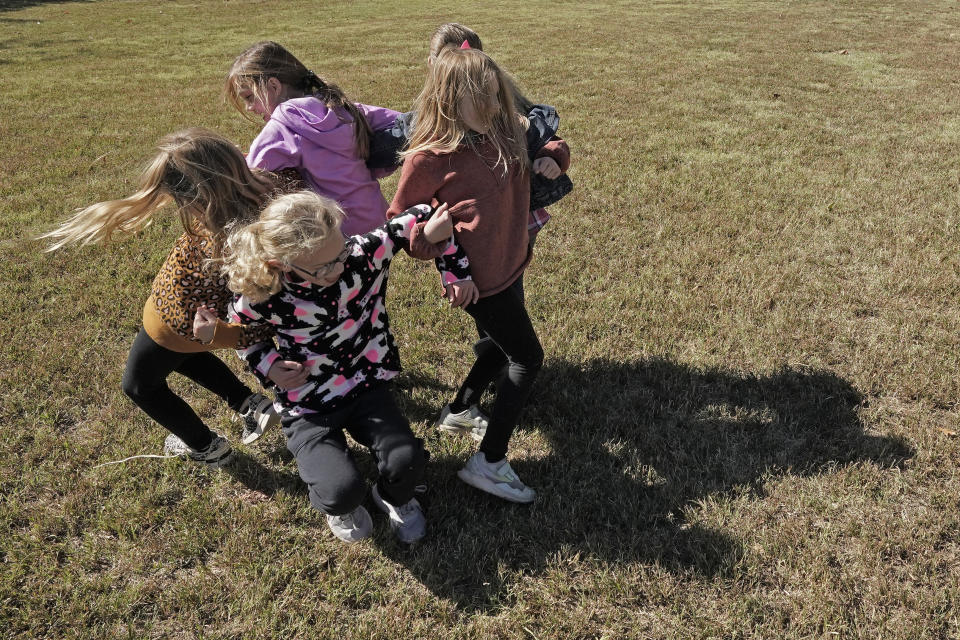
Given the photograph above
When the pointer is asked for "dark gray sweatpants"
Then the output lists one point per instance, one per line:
(319, 445)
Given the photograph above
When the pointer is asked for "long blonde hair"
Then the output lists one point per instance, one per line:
(264, 60)
(201, 172)
(463, 74)
(453, 35)
(290, 226)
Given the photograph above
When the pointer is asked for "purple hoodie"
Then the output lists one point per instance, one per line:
(305, 135)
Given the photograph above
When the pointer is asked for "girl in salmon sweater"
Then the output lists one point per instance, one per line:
(468, 149)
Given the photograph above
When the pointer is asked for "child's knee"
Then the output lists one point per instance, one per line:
(338, 498)
(533, 359)
(134, 388)
(403, 457)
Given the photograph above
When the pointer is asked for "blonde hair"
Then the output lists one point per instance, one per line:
(453, 35)
(264, 60)
(201, 172)
(290, 226)
(463, 74)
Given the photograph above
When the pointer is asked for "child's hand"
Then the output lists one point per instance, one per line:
(547, 167)
(287, 374)
(204, 324)
(439, 227)
(462, 293)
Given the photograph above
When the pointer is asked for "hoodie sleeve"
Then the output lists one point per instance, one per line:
(383, 161)
(378, 117)
(261, 356)
(275, 149)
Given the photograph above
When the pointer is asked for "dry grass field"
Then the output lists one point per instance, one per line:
(746, 426)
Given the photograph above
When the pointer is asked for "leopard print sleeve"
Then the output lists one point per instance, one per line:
(183, 284)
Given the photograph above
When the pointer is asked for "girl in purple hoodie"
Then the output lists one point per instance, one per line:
(313, 129)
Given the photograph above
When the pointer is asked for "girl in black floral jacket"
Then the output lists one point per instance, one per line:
(324, 295)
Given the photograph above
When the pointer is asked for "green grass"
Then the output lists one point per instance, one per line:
(749, 307)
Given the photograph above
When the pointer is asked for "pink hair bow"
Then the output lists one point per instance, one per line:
(465, 45)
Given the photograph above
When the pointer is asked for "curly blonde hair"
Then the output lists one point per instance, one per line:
(290, 226)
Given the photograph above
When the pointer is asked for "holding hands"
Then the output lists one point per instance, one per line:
(439, 227)
(462, 293)
(286, 374)
(547, 167)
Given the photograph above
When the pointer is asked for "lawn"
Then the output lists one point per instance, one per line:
(746, 426)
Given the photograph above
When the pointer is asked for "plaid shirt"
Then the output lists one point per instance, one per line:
(537, 220)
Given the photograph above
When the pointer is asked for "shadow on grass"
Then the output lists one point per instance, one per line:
(16, 5)
(250, 473)
(632, 445)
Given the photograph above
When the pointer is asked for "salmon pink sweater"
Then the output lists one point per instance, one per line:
(490, 207)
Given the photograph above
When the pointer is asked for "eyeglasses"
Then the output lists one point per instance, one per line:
(325, 269)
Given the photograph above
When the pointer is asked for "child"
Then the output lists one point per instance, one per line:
(205, 176)
(467, 147)
(313, 128)
(548, 184)
(324, 296)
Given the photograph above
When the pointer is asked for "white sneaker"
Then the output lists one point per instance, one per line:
(407, 520)
(218, 452)
(351, 527)
(258, 415)
(496, 478)
(471, 422)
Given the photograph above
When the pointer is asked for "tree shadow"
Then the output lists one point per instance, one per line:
(632, 445)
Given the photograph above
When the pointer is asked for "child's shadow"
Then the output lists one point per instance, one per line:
(631, 448)
(251, 473)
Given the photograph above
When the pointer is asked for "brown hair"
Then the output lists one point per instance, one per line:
(453, 35)
(266, 60)
(203, 173)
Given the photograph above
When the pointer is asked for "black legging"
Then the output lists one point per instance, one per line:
(145, 382)
(513, 342)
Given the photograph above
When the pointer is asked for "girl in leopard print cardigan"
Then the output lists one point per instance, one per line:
(207, 179)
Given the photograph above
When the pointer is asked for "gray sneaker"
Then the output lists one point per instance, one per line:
(407, 520)
(217, 453)
(258, 415)
(352, 527)
(496, 478)
(470, 422)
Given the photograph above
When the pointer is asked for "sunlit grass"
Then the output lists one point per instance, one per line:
(749, 306)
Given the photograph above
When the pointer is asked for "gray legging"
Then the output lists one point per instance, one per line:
(324, 461)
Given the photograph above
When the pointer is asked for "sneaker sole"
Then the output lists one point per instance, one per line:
(466, 431)
(481, 483)
(225, 459)
(253, 436)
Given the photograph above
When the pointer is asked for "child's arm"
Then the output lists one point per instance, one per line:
(389, 137)
(421, 231)
(284, 374)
